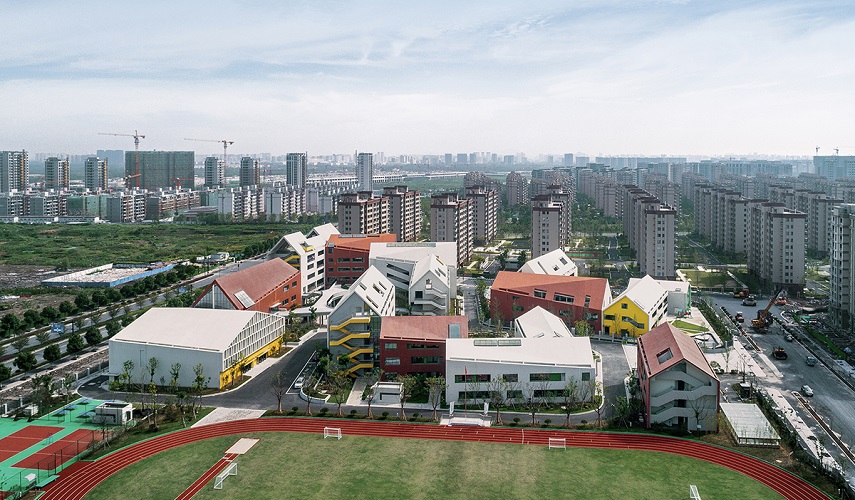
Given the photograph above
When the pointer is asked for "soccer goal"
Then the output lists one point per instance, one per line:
(230, 470)
(560, 443)
(332, 432)
(693, 492)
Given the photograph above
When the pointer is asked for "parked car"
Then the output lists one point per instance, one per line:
(810, 360)
(298, 384)
(807, 391)
(788, 337)
(739, 317)
(749, 301)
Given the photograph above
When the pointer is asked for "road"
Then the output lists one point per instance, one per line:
(833, 399)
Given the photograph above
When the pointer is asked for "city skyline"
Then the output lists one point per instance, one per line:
(643, 78)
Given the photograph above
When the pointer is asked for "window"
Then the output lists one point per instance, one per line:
(610, 317)
(391, 345)
(515, 394)
(624, 306)
(563, 298)
(393, 361)
(511, 377)
(586, 376)
(546, 377)
(462, 379)
(540, 294)
(426, 360)
(422, 346)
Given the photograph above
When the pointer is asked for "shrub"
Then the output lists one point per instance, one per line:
(416, 415)
(352, 413)
(384, 415)
(324, 411)
(547, 422)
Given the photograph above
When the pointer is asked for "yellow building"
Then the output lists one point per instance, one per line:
(642, 306)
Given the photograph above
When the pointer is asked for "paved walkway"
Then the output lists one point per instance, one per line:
(228, 415)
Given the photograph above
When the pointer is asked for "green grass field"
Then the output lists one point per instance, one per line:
(707, 279)
(688, 327)
(286, 465)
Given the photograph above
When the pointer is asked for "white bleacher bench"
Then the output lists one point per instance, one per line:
(558, 443)
(230, 470)
(332, 432)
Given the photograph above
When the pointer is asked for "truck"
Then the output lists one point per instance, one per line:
(738, 294)
(779, 353)
(810, 360)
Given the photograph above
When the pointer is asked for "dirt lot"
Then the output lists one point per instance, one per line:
(12, 277)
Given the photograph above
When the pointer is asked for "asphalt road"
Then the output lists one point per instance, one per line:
(832, 399)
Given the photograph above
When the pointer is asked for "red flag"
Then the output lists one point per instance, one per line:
(465, 371)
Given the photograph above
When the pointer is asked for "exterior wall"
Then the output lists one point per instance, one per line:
(260, 338)
(215, 172)
(250, 172)
(480, 374)
(159, 169)
(776, 255)
(516, 189)
(433, 299)
(345, 264)
(546, 230)
(682, 395)
(625, 318)
(397, 356)
(360, 213)
(405, 212)
(842, 283)
(365, 171)
(121, 351)
(56, 173)
(451, 219)
(511, 305)
(486, 207)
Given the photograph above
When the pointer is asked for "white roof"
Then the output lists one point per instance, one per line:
(646, 292)
(540, 323)
(748, 421)
(324, 231)
(555, 263)
(374, 289)
(188, 327)
(317, 238)
(446, 251)
(668, 285)
(553, 351)
(429, 264)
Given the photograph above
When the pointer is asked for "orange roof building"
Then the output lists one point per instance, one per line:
(267, 287)
(571, 298)
(347, 255)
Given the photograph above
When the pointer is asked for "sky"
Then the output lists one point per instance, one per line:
(714, 77)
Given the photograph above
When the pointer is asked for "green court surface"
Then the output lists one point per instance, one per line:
(32, 452)
(294, 465)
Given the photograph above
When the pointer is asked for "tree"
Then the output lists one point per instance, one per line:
(370, 393)
(77, 323)
(530, 401)
(33, 318)
(52, 353)
(5, 372)
(41, 386)
(199, 384)
(503, 259)
(436, 389)
(93, 336)
(313, 315)
(67, 384)
(583, 328)
(11, 324)
(66, 308)
(596, 390)
(522, 258)
(151, 368)
(497, 389)
(43, 336)
(113, 327)
(20, 343)
(174, 374)
(127, 370)
(408, 385)
(340, 383)
(279, 385)
(83, 302)
(75, 343)
(570, 398)
(25, 360)
(309, 381)
(50, 314)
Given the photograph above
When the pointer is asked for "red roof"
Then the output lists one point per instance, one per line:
(257, 281)
(362, 242)
(577, 286)
(657, 341)
(421, 327)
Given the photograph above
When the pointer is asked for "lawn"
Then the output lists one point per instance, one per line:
(689, 327)
(707, 279)
(297, 465)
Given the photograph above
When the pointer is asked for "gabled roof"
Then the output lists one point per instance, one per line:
(669, 285)
(316, 238)
(324, 231)
(202, 329)
(555, 263)
(255, 282)
(374, 290)
(359, 242)
(645, 292)
(423, 327)
(577, 286)
(414, 251)
(540, 323)
(665, 346)
(429, 264)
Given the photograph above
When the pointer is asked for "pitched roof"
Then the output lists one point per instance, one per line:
(540, 323)
(422, 327)
(375, 290)
(324, 231)
(359, 242)
(653, 347)
(576, 286)
(645, 292)
(201, 329)
(555, 263)
(256, 282)
(429, 264)
(413, 251)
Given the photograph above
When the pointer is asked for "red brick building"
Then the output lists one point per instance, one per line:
(266, 287)
(571, 298)
(347, 256)
(416, 344)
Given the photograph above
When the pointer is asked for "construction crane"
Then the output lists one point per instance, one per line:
(137, 136)
(178, 180)
(764, 319)
(226, 144)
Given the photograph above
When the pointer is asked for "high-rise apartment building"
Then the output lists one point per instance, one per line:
(160, 169)
(568, 160)
(296, 166)
(95, 174)
(650, 227)
(363, 213)
(365, 171)
(517, 189)
(486, 212)
(14, 171)
(56, 174)
(834, 167)
(818, 208)
(547, 231)
(841, 302)
(215, 172)
(250, 172)
(405, 212)
(776, 249)
(451, 219)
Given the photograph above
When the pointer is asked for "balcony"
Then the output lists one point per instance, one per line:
(671, 395)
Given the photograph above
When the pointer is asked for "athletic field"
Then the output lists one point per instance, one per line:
(299, 465)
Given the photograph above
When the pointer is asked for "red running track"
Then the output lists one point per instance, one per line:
(197, 486)
(84, 478)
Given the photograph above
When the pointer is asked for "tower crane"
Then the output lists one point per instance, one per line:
(226, 144)
(178, 180)
(137, 136)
